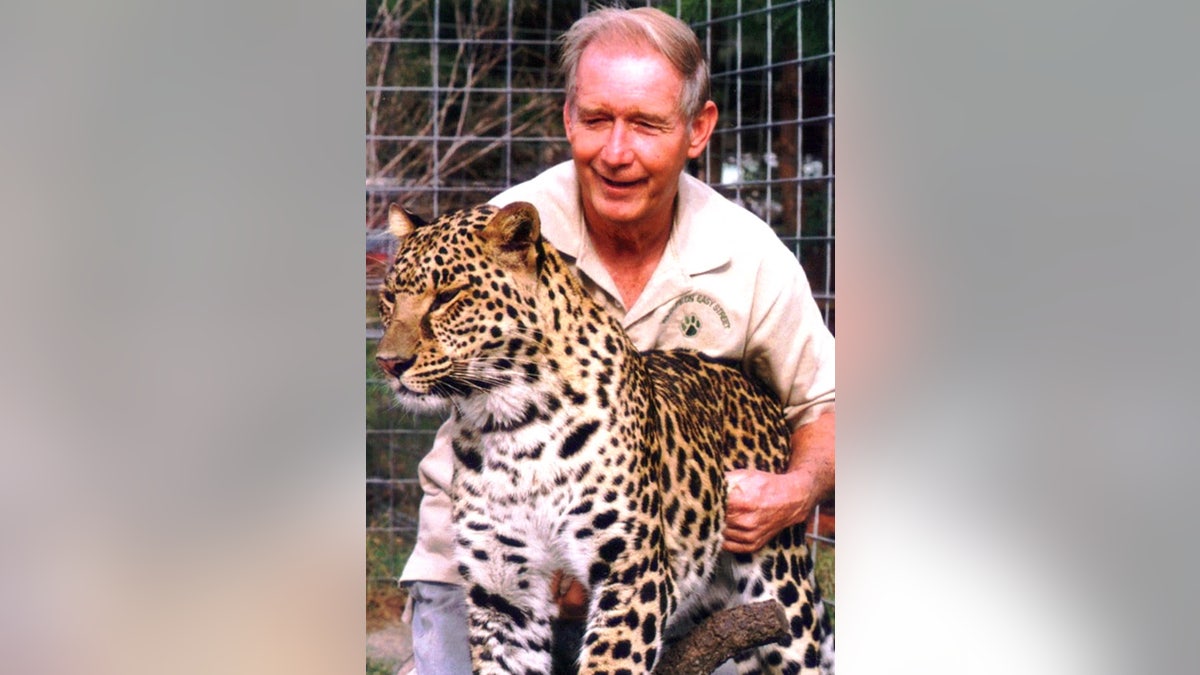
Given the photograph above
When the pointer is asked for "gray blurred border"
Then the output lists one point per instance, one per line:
(182, 190)
(1016, 191)
(183, 405)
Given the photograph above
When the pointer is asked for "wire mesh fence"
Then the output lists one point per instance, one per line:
(463, 100)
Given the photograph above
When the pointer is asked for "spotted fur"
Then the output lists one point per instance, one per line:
(575, 452)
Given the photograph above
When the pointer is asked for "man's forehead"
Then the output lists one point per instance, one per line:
(618, 80)
(603, 50)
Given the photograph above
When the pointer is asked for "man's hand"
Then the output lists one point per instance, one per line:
(761, 504)
(570, 595)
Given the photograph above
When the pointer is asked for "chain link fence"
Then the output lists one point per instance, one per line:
(463, 100)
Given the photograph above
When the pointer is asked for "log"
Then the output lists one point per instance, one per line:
(722, 635)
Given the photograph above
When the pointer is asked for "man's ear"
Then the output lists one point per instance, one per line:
(515, 233)
(701, 128)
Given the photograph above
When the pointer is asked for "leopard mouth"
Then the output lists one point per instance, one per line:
(433, 400)
(445, 387)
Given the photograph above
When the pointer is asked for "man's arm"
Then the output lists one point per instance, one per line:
(761, 504)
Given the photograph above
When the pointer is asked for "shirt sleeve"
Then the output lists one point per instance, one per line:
(787, 342)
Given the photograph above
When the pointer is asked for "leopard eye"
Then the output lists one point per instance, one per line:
(444, 297)
(386, 302)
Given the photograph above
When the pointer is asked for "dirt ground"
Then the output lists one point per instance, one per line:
(389, 640)
(389, 646)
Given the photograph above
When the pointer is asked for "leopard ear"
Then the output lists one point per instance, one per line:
(515, 226)
(401, 222)
(516, 233)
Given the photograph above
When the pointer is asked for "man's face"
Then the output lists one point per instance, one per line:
(628, 138)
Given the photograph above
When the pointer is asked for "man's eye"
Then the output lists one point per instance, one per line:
(648, 126)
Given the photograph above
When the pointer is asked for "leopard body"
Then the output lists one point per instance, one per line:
(575, 452)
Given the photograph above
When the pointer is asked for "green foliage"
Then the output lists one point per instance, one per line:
(824, 566)
(386, 555)
(380, 667)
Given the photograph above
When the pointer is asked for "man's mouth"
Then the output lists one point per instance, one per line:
(620, 184)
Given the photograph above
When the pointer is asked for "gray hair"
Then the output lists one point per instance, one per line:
(643, 27)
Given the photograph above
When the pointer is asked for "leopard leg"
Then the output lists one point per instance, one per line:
(783, 571)
(507, 638)
(509, 608)
(627, 617)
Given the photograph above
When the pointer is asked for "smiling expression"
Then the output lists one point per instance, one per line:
(628, 138)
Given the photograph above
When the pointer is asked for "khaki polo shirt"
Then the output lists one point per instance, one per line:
(725, 286)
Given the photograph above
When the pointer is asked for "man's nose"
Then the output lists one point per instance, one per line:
(617, 147)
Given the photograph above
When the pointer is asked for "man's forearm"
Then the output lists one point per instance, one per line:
(814, 459)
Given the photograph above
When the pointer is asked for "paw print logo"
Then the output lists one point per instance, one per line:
(690, 325)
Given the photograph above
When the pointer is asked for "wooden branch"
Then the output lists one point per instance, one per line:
(722, 635)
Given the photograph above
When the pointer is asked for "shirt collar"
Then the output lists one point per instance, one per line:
(701, 243)
(697, 244)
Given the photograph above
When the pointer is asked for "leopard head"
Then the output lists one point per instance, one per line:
(459, 304)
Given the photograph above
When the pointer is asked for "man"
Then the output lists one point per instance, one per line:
(679, 264)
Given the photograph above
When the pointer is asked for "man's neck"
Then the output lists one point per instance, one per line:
(630, 254)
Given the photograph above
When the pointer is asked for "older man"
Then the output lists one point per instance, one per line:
(679, 264)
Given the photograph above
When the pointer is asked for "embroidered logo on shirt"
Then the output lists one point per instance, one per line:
(690, 324)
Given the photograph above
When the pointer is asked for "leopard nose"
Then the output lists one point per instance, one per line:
(393, 365)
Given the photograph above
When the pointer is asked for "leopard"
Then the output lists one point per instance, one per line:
(574, 452)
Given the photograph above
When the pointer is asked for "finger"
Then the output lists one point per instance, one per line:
(750, 537)
(742, 518)
(738, 547)
(740, 536)
(735, 507)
